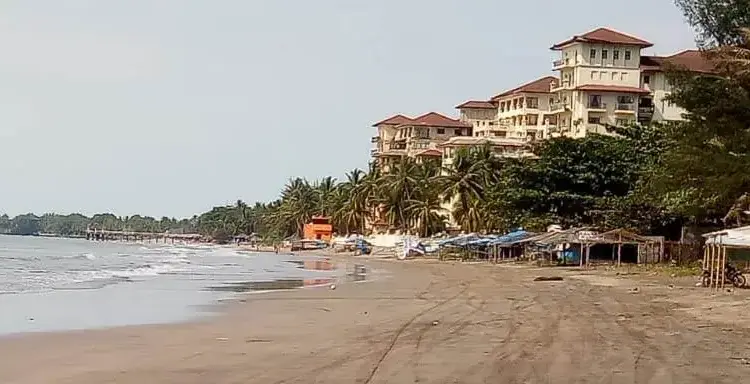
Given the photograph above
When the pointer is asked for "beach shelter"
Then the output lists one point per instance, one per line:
(722, 245)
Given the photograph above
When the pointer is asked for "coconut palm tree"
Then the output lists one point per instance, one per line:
(423, 208)
(394, 191)
(464, 183)
(351, 204)
(299, 203)
(325, 189)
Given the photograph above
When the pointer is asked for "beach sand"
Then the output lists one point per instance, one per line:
(423, 322)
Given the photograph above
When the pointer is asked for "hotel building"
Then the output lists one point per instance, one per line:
(603, 78)
(400, 136)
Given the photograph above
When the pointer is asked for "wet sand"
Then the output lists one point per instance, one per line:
(427, 322)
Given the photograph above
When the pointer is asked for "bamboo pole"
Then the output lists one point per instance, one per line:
(717, 259)
(723, 251)
(705, 258)
(710, 265)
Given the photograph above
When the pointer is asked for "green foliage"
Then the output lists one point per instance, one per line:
(716, 22)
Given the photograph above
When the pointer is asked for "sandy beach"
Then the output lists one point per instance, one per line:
(421, 322)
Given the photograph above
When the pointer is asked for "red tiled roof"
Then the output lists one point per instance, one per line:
(610, 88)
(430, 152)
(606, 36)
(651, 63)
(477, 105)
(394, 120)
(537, 86)
(434, 119)
(691, 59)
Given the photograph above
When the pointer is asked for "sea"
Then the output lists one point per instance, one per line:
(56, 284)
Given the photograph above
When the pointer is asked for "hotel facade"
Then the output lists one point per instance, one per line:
(602, 78)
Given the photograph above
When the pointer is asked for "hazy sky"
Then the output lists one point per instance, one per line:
(170, 107)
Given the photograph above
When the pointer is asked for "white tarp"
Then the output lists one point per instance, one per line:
(739, 237)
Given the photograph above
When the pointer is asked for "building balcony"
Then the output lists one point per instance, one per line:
(374, 151)
(375, 139)
(559, 106)
(557, 64)
(625, 108)
(597, 107)
(397, 146)
(646, 110)
(559, 87)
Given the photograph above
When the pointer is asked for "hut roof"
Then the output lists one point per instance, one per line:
(621, 235)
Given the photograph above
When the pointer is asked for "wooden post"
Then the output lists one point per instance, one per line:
(705, 258)
(723, 251)
(580, 258)
(710, 266)
(717, 256)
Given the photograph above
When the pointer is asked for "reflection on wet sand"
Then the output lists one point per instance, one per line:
(252, 286)
(358, 274)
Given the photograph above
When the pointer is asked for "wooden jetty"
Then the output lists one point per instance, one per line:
(104, 235)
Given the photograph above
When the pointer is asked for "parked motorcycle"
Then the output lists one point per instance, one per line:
(731, 274)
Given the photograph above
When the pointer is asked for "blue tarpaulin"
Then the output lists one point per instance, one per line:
(458, 240)
(511, 237)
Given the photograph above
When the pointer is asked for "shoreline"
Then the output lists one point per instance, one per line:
(103, 289)
(428, 321)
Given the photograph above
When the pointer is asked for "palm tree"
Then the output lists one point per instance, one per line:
(395, 190)
(351, 203)
(464, 183)
(325, 189)
(423, 208)
(299, 202)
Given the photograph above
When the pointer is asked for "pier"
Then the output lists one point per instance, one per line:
(104, 235)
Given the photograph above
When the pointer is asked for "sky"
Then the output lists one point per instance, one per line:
(171, 107)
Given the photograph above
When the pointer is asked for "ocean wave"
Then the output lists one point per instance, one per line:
(78, 256)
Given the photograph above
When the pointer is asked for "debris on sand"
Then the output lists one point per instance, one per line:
(333, 286)
(634, 290)
(435, 323)
(548, 278)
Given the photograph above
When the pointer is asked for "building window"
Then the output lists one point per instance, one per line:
(595, 101)
(593, 54)
(441, 131)
(622, 122)
(457, 132)
(594, 75)
(646, 79)
(602, 75)
(532, 102)
(605, 53)
(627, 99)
(595, 120)
(627, 55)
(614, 75)
(616, 55)
(624, 76)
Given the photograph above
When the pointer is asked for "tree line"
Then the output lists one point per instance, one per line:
(649, 178)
